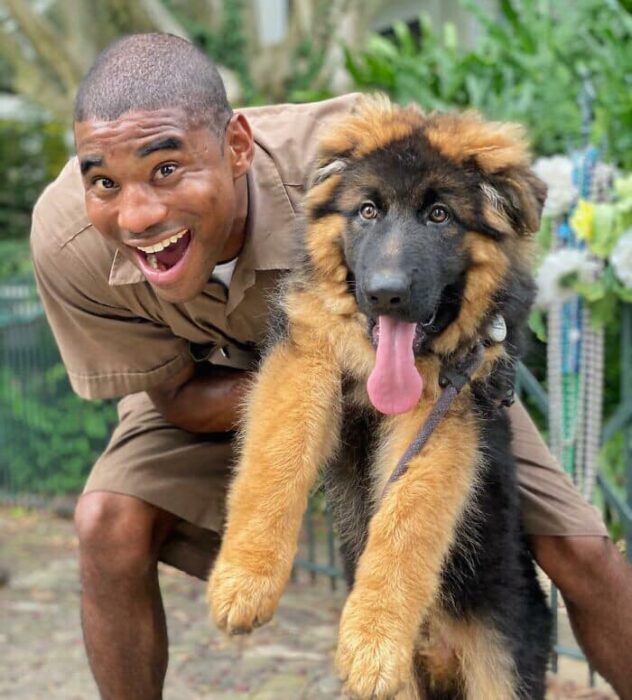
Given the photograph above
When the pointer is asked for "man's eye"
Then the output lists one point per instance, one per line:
(104, 183)
(165, 170)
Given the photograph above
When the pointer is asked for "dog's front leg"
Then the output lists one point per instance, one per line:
(410, 535)
(291, 429)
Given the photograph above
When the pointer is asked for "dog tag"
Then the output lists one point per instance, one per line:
(497, 329)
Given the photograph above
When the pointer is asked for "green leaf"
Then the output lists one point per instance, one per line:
(537, 324)
(450, 36)
(591, 291)
(605, 232)
(603, 310)
(625, 294)
(406, 42)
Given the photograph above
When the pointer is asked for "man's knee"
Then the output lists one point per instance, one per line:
(577, 564)
(119, 534)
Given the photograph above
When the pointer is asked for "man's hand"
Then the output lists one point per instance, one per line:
(202, 398)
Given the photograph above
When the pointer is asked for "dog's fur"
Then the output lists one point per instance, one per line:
(444, 600)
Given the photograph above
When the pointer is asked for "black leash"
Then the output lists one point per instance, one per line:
(452, 379)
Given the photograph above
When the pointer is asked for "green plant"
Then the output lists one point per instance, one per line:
(49, 438)
(602, 271)
(530, 64)
(32, 153)
(612, 467)
(15, 259)
(227, 45)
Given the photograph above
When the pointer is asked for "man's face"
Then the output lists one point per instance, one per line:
(171, 196)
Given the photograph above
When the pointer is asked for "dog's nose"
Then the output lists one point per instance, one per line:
(388, 291)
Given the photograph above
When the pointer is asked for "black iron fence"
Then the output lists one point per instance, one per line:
(49, 438)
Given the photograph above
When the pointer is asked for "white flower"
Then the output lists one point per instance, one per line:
(557, 173)
(556, 268)
(621, 259)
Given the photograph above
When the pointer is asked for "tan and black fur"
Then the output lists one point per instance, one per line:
(444, 601)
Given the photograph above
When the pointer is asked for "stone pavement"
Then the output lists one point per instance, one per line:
(42, 657)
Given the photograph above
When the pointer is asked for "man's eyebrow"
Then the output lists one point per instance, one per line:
(90, 162)
(171, 143)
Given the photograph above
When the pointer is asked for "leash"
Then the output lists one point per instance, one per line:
(452, 379)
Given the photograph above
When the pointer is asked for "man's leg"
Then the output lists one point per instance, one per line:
(596, 584)
(121, 607)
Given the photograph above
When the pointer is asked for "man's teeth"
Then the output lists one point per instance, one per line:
(161, 245)
(152, 260)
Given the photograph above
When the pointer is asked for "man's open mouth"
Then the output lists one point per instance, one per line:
(165, 254)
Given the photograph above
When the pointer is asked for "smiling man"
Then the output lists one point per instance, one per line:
(196, 212)
(155, 251)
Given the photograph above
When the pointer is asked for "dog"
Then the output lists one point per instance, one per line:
(415, 264)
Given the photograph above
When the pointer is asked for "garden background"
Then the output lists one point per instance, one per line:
(563, 69)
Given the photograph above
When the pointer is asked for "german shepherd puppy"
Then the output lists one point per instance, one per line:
(416, 242)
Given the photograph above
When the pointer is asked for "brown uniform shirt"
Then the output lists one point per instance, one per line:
(118, 338)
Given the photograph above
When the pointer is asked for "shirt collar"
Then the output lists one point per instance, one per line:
(269, 232)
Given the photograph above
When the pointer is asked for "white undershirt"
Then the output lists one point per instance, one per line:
(224, 272)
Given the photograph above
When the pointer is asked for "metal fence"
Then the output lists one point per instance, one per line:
(49, 438)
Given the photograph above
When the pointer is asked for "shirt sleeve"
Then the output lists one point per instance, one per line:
(109, 348)
(528, 447)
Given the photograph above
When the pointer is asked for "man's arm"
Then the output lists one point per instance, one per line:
(202, 398)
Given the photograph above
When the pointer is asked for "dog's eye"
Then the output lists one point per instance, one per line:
(368, 210)
(438, 214)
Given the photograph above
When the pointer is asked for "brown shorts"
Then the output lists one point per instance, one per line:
(187, 474)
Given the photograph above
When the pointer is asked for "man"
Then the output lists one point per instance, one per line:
(154, 253)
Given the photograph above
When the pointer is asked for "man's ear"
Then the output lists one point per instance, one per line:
(514, 200)
(240, 144)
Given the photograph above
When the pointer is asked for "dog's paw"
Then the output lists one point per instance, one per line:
(373, 659)
(240, 600)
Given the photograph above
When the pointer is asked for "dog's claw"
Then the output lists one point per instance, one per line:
(239, 600)
(373, 664)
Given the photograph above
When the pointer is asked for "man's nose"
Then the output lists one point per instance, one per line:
(140, 208)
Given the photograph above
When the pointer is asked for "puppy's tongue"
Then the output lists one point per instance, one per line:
(394, 385)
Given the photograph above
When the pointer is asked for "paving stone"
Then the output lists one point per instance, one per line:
(281, 686)
(292, 658)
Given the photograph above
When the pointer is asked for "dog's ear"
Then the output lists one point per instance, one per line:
(513, 200)
(324, 169)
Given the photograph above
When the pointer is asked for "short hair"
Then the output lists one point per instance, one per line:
(150, 72)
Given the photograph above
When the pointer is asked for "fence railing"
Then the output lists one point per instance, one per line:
(49, 438)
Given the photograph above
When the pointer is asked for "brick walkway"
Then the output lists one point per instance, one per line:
(41, 652)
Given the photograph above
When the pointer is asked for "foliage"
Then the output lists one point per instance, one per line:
(605, 229)
(531, 66)
(50, 438)
(15, 259)
(226, 45)
(612, 467)
(32, 153)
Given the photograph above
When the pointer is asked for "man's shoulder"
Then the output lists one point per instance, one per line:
(289, 133)
(279, 117)
(60, 208)
(62, 237)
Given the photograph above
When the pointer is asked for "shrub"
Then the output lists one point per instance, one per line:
(534, 64)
